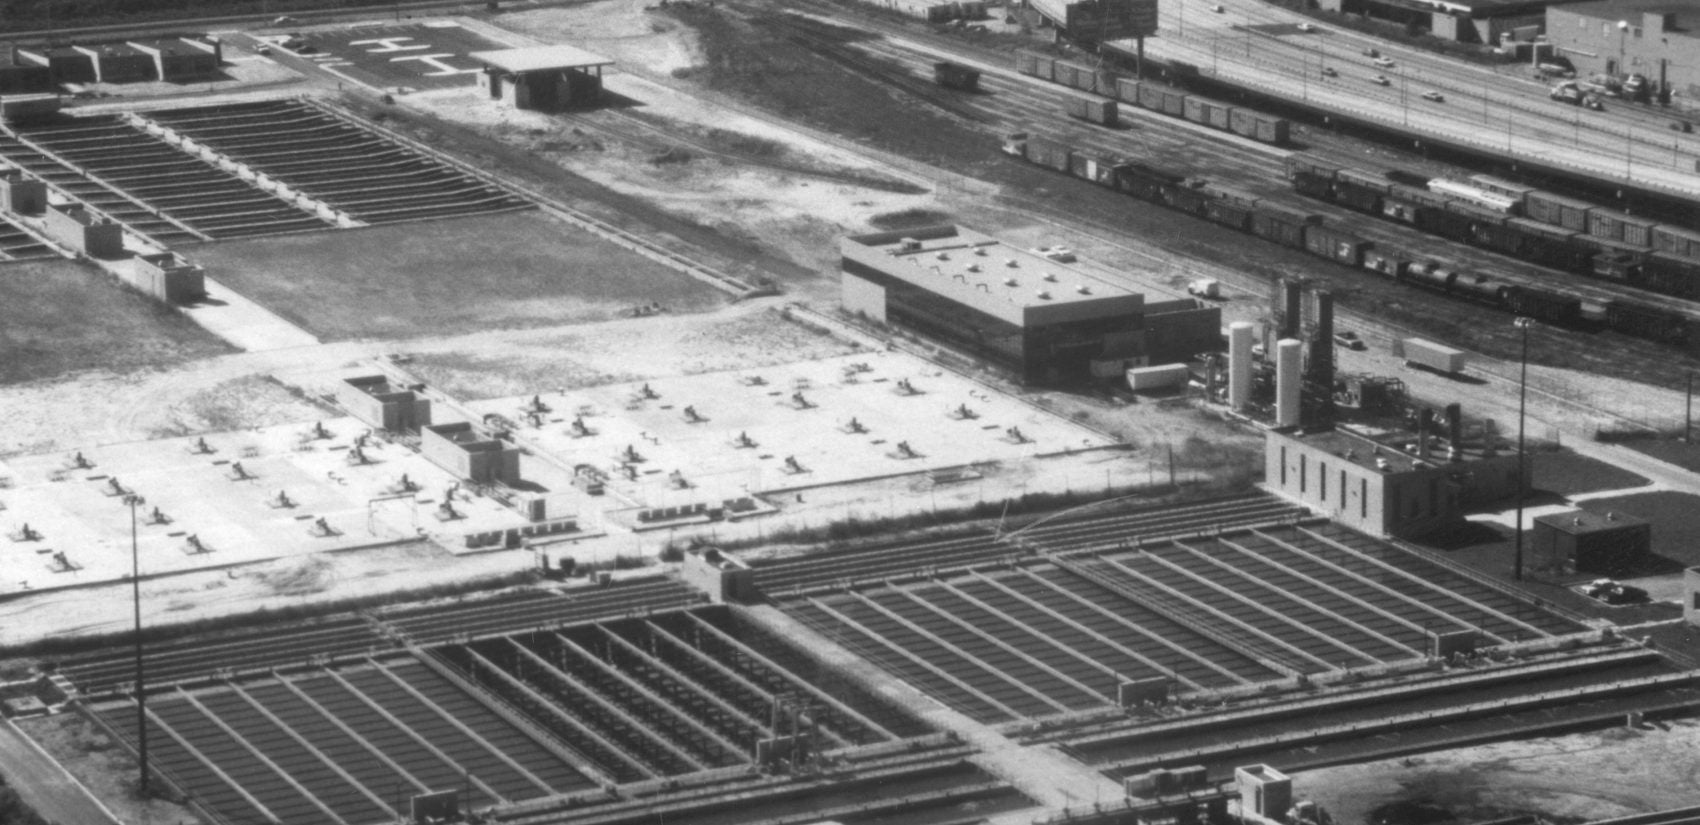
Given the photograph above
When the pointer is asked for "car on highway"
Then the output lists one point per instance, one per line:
(1372, 53)
(263, 51)
(1349, 340)
(1328, 71)
(1307, 27)
(1218, 8)
(1381, 80)
(1434, 96)
(1383, 62)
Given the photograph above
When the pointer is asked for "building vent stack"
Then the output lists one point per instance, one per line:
(1239, 365)
(1289, 318)
(1455, 425)
(1289, 381)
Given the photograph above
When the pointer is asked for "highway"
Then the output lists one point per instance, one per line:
(1502, 110)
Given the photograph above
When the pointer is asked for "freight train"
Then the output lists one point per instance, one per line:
(1149, 95)
(1520, 221)
(1244, 212)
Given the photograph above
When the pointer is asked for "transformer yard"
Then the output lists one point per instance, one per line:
(591, 413)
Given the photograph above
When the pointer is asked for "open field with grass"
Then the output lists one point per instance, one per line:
(452, 276)
(1567, 474)
(59, 317)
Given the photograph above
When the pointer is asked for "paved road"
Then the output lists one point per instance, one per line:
(44, 785)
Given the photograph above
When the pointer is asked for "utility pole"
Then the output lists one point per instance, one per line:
(1522, 456)
(141, 687)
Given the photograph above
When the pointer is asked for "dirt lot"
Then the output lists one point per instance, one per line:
(106, 767)
(59, 317)
(753, 334)
(1565, 779)
(445, 277)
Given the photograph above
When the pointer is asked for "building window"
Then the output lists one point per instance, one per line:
(1302, 469)
(1636, 32)
(1343, 493)
(1283, 465)
(1363, 498)
(1322, 479)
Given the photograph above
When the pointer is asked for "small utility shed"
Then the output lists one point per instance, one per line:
(542, 77)
(1609, 543)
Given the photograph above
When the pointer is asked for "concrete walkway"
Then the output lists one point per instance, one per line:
(245, 324)
(44, 785)
(1041, 773)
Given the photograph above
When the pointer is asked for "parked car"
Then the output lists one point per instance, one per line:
(1307, 27)
(1434, 96)
(1348, 339)
(1381, 80)
(1383, 62)
(1328, 71)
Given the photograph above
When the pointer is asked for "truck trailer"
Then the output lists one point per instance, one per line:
(1425, 353)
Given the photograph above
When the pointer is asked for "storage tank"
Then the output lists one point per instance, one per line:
(1289, 380)
(1239, 365)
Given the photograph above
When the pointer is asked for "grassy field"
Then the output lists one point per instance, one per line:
(59, 317)
(444, 277)
(1567, 474)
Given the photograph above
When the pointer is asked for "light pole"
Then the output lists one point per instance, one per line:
(1522, 456)
(141, 688)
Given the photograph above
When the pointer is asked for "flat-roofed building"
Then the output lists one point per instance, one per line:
(1580, 541)
(182, 58)
(381, 405)
(74, 227)
(1386, 484)
(1658, 39)
(1046, 318)
(542, 77)
(470, 453)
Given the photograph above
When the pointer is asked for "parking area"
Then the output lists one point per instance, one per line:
(426, 55)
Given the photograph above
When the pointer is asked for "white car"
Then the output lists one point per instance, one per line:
(1060, 254)
(1434, 96)
(1383, 62)
(1381, 80)
(1307, 27)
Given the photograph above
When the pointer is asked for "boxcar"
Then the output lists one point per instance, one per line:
(1676, 240)
(1443, 223)
(1186, 197)
(1313, 185)
(1151, 97)
(956, 76)
(1312, 165)
(1281, 225)
(1101, 111)
(1543, 305)
(1174, 103)
(1389, 262)
(1127, 90)
(1144, 182)
(1558, 210)
(1228, 213)
(1334, 244)
(1646, 322)
(1355, 194)
(1671, 274)
(1048, 153)
(1099, 169)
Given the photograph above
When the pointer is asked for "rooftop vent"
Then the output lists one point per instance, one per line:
(1051, 276)
(1011, 263)
(1382, 465)
(973, 267)
(1009, 282)
(1083, 289)
(1044, 295)
(1611, 516)
(980, 250)
(909, 244)
(943, 256)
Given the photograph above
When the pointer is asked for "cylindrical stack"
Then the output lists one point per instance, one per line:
(1289, 380)
(1239, 365)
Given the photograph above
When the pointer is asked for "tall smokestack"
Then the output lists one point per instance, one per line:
(1239, 365)
(1455, 431)
(1289, 381)
(1319, 367)
(1289, 322)
(1423, 416)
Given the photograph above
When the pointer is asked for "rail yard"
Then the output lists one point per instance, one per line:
(589, 412)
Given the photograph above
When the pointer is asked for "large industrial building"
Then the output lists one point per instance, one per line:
(1402, 484)
(1653, 38)
(1046, 320)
